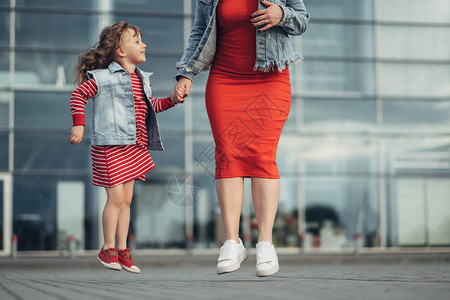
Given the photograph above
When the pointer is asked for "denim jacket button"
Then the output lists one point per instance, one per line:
(130, 123)
(261, 43)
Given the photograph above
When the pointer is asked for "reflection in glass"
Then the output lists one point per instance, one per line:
(416, 116)
(336, 115)
(78, 32)
(327, 39)
(45, 68)
(49, 110)
(4, 69)
(417, 80)
(338, 77)
(83, 4)
(4, 150)
(4, 28)
(50, 151)
(148, 5)
(341, 10)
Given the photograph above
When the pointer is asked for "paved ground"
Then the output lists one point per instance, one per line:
(379, 276)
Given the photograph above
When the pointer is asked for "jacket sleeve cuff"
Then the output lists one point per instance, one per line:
(78, 119)
(184, 73)
(287, 16)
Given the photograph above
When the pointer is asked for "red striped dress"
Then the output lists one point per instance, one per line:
(113, 165)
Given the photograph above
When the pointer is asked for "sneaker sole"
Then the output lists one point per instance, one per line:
(227, 269)
(268, 272)
(138, 271)
(115, 267)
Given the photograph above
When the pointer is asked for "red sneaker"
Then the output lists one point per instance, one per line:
(108, 258)
(126, 261)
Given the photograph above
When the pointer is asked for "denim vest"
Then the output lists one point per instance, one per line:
(273, 47)
(113, 116)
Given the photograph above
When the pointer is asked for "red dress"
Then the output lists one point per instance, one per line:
(247, 109)
(113, 165)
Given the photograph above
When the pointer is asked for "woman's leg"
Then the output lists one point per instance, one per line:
(111, 214)
(265, 193)
(230, 193)
(123, 222)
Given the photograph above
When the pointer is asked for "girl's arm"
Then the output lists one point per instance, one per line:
(78, 100)
(295, 17)
(161, 104)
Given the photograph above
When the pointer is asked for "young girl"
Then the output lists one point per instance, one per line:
(124, 129)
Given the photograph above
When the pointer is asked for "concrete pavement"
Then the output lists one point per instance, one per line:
(377, 276)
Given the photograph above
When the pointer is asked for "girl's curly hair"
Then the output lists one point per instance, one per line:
(102, 54)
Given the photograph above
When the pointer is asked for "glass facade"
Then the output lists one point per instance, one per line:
(364, 156)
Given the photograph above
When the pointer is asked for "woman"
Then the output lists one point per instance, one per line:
(245, 43)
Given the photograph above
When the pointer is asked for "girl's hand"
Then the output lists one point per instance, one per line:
(181, 90)
(270, 16)
(76, 134)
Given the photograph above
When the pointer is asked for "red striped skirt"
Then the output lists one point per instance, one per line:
(113, 165)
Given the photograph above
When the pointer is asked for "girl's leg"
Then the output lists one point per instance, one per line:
(123, 222)
(265, 193)
(230, 193)
(111, 214)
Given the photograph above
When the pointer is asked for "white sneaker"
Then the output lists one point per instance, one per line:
(231, 256)
(266, 259)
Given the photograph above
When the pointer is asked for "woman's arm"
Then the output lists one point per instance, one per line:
(295, 17)
(197, 31)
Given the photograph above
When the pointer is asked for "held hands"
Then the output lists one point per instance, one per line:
(181, 90)
(76, 134)
(269, 17)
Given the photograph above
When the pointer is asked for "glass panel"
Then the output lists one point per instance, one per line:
(148, 5)
(4, 28)
(1, 215)
(78, 32)
(334, 154)
(4, 69)
(5, 2)
(326, 39)
(416, 116)
(51, 110)
(34, 212)
(417, 80)
(339, 115)
(155, 36)
(336, 76)
(431, 11)
(342, 10)
(83, 4)
(4, 110)
(37, 69)
(398, 42)
(171, 161)
(4, 150)
(156, 221)
(50, 151)
(338, 207)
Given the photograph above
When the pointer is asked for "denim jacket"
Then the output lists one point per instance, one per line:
(273, 47)
(113, 117)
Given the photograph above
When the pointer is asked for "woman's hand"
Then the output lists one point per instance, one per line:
(181, 90)
(270, 16)
(76, 134)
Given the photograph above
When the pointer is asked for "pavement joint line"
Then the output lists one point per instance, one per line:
(14, 295)
(37, 289)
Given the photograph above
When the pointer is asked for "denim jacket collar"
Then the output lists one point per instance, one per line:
(116, 67)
